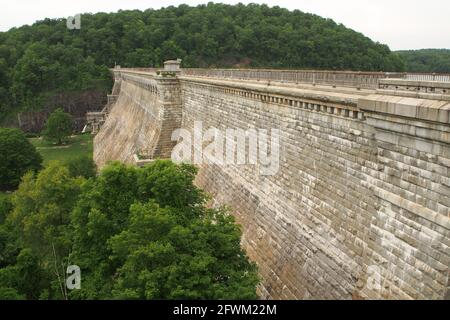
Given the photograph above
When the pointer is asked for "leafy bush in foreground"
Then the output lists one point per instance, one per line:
(135, 233)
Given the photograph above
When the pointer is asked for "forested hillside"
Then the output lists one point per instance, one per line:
(39, 61)
(427, 60)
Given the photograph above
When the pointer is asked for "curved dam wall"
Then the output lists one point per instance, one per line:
(359, 205)
(141, 120)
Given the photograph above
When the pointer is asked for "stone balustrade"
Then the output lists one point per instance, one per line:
(367, 80)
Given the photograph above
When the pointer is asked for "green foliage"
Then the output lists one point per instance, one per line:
(25, 277)
(5, 206)
(39, 61)
(169, 185)
(427, 60)
(32, 276)
(5, 83)
(58, 127)
(10, 294)
(8, 247)
(17, 156)
(39, 223)
(42, 207)
(165, 257)
(46, 69)
(136, 233)
(8, 250)
(82, 166)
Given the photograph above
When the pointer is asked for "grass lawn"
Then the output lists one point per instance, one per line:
(77, 146)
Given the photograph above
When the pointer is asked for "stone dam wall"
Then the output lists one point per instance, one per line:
(359, 208)
(141, 120)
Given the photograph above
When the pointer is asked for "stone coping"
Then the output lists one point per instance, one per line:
(414, 94)
(305, 92)
(415, 83)
(142, 73)
(349, 72)
(422, 109)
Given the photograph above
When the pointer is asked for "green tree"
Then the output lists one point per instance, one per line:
(33, 278)
(26, 277)
(40, 221)
(136, 233)
(58, 127)
(5, 94)
(427, 60)
(82, 166)
(145, 233)
(10, 294)
(5, 206)
(8, 245)
(42, 207)
(164, 256)
(17, 156)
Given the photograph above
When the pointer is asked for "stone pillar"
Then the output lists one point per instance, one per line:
(170, 112)
(172, 66)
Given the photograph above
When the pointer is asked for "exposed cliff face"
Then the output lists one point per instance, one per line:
(360, 204)
(75, 103)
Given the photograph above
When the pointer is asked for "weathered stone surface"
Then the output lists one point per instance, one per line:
(141, 121)
(362, 194)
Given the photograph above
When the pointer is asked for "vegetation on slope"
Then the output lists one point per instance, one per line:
(42, 60)
(17, 156)
(427, 60)
(135, 233)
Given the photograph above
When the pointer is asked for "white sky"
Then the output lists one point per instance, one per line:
(402, 24)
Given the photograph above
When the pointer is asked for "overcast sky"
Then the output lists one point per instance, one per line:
(402, 24)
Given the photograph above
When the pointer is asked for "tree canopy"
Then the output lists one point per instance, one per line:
(135, 233)
(17, 156)
(427, 60)
(58, 126)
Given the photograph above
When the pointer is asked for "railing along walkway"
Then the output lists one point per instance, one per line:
(367, 80)
(363, 80)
